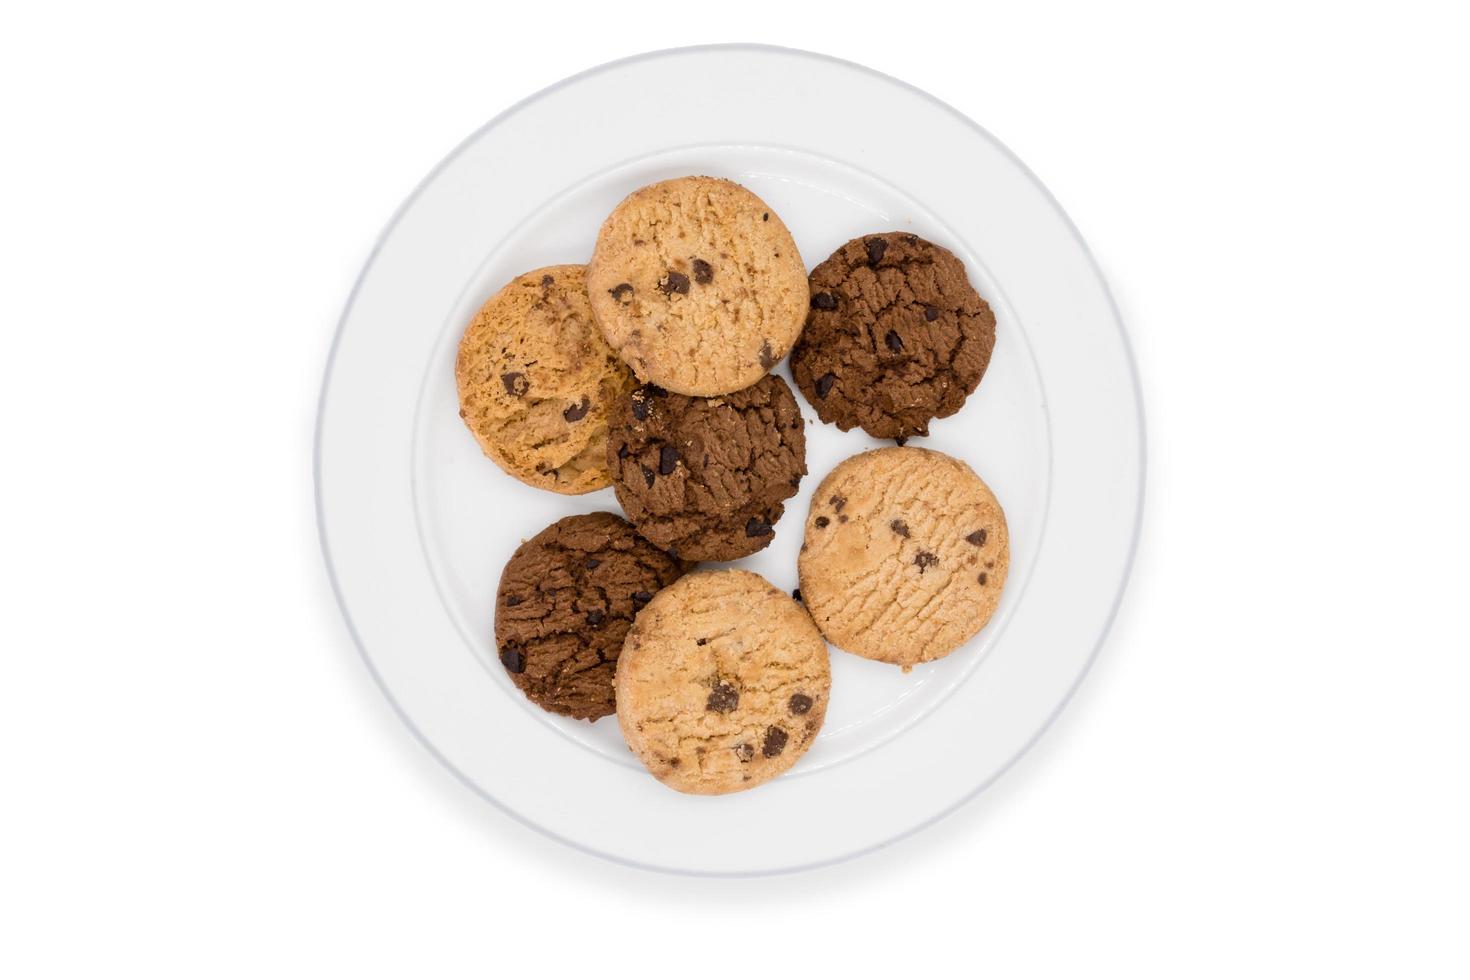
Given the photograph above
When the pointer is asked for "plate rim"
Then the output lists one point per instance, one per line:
(1134, 385)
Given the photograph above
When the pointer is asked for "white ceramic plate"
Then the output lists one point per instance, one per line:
(416, 524)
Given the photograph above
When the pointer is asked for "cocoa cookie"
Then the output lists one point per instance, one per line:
(905, 556)
(566, 600)
(698, 285)
(706, 478)
(896, 336)
(722, 684)
(535, 381)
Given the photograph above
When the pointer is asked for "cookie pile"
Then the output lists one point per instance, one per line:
(648, 370)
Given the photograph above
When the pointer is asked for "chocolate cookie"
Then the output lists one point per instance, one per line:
(905, 556)
(566, 600)
(705, 477)
(535, 380)
(698, 285)
(896, 336)
(722, 684)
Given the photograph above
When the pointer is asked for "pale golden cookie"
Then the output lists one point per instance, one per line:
(698, 285)
(722, 683)
(536, 380)
(905, 556)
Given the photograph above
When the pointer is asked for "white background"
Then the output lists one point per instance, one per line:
(1266, 773)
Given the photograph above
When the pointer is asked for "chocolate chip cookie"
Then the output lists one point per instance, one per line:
(698, 285)
(905, 556)
(896, 336)
(722, 684)
(566, 600)
(536, 379)
(706, 478)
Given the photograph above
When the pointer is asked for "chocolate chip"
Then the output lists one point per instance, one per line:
(514, 660)
(824, 301)
(577, 413)
(642, 598)
(799, 704)
(796, 594)
(640, 406)
(876, 248)
(977, 538)
(893, 341)
(775, 742)
(547, 280)
(592, 563)
(901, 440)
(703, 271)
(623, 451)
(724, 698)
(756, 528)
(768, 357)
(931, 313)
(838, 502)
(668, 458)
(595, 617)
(654, 391)
(924, 559)
(515, 383)
(824, 384)
(766, 216)
(647, 476)
(622, 292)
(745, 752)
(899, 528)
(512, 600)
(674, 282)
(983, 578)
(821, 522)
(701, 641)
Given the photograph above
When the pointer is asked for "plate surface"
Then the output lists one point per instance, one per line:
(416, 524)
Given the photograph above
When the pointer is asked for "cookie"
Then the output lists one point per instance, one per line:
(536, 379)
(698, 285)
(896, 336)
(565, 602)
(905, 556)
(722, 684)
(705, 478)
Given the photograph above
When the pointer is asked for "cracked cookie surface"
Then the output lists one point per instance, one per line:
(722, 684)
(698, 285)
(905, 556)
(706, 477)
(536, 379)
(896, 336)
(566, 600)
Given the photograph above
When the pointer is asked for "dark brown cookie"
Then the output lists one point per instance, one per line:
(566, 600)
(705, 477)
(896, 336)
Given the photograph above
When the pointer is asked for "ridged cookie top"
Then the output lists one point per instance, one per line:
(722, 683)
(698, 285)
(536, 380)
(707, 477)
(905, 556)
(896, 336)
